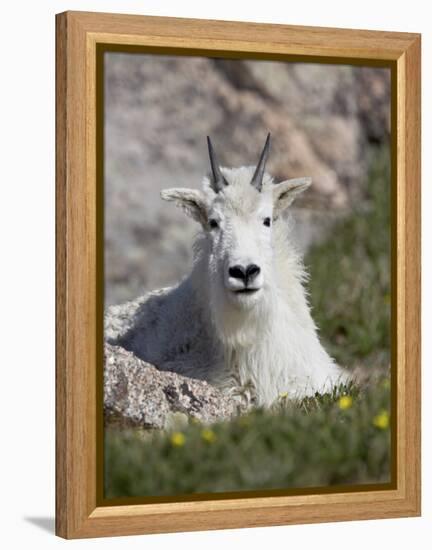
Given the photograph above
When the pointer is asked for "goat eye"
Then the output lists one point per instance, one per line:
(267, 222)
(213, 223)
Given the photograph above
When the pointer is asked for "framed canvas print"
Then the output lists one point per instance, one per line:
(238, 274)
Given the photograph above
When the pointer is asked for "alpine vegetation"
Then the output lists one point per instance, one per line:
(240, 320)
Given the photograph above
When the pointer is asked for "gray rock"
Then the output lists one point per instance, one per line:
(136, 394)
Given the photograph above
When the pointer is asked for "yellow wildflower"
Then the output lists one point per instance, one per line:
(208, 435)
(283, 395)
(178, 439)
(382, 420)
(345, 402)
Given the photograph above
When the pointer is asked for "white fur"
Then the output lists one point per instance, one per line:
(262, 344)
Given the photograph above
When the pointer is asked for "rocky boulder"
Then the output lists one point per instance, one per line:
(136, 394)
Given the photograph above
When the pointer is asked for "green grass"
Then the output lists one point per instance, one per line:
(309, 443)
(350, 278)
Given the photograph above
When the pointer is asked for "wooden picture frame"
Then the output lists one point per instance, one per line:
(79, 512)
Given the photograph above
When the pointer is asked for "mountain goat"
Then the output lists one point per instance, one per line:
(240, 319)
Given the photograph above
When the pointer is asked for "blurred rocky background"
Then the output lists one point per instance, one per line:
(325, 120)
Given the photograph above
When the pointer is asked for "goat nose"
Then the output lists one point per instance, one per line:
(252, 271)
(237, 272)
(246, 274)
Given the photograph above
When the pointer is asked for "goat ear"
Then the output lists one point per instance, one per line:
(190, 200)
(285, 192)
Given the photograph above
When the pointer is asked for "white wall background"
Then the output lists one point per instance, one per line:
(27, 270)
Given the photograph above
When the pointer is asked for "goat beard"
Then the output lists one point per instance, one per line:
(238, 325)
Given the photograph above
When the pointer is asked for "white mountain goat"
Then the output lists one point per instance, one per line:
(240, 320)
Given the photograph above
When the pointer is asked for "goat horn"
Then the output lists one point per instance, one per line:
(257, 178)
(219, 180)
